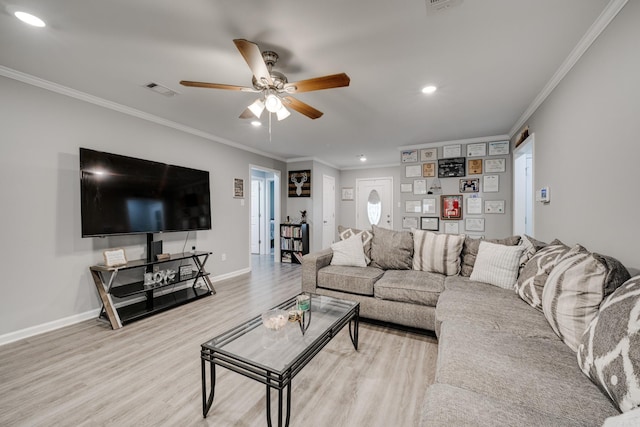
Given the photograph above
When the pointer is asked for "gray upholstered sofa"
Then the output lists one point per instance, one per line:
(500, 363)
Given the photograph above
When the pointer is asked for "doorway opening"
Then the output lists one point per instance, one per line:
(265, 212)
(523, 193)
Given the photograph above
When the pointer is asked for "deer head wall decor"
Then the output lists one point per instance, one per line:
(299, 178)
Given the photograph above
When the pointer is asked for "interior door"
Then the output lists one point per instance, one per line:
(255, 216)
(374, 203)
(328, 210)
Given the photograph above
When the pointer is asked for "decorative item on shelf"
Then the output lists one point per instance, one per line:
(303, 217)
(114, 257)
(171, 274)
(288, 220)
(184, 272)
(275, 320)
(159, 276)
(163, 257)
(148, 280)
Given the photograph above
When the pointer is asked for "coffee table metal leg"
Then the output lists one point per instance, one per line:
(207, 401)
(288, 407)
(356, 326)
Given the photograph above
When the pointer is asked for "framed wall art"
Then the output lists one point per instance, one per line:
(347, 193)
(428, 154)
(477, 150)
(451, 206)
(451, 228)
(452, 151)
(474, 206)
(494, 207)
(474, 224)
(495, 165)
(238, 188)
(300, 183)
(419, 186)
(491, 183)
(429, 206)
(451, 168)
(412, 206)
(413, 171)
(410, 222)
(409, 156)
(406, 188)
(474, 166)
(429, 169)
(471, 185)
(498, 148)
(429, 223)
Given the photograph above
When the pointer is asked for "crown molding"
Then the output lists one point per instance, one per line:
(610, 11)
(311, 159)
(457, 141)
(101, 102)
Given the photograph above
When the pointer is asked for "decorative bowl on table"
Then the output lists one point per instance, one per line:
(275, 319)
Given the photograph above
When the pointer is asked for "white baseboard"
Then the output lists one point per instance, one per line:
(81, 317)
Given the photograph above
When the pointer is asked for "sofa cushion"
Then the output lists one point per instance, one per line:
(367, 236)
(497, 264)
(437, 253)
(355, 280)
(391, 250)
(538, 373)
(349, 252)
(576, 286)
(416, 287)
(470, 251)
(535, 272)
(609, 352)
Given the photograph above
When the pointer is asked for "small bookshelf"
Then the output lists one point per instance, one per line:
(294, 242)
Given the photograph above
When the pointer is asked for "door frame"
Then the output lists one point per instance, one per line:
(332, 198)
(277, 197)
(391, 208)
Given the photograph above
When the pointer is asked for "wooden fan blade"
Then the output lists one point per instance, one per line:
(319, 83)
(251, 53)
(247, 114)
(301, 107)
(216, 86)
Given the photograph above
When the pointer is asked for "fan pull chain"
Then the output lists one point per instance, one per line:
(269, 127)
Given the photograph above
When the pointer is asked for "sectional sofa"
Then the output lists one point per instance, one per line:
(529, 333)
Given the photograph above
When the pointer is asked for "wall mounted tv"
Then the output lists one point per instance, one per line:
(125, 195)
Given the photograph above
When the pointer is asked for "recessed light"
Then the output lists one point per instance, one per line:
(429, 89)
(363, 158)
(256, 123)
(30, 19)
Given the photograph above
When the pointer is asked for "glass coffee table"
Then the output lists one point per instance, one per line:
(273, 358)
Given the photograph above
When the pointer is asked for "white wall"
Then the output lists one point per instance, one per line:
(45, 276)
(587, 147)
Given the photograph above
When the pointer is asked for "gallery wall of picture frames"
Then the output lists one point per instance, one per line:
(456, 188)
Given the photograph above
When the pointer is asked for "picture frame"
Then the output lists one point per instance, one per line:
(495, 165)
(452, 151)
(429, 206)
(238, 188)
(429, 169)
(491, 183)
(474, 224)
(451, 228)
(477, 150)
(494, 206)
(429, 223)
(413, 206)
(114, 257)
(451, 206)
(406, 188)
(300, 183)
(427, 154)
(474, 206)
(410, 222)
(347, 193)
(185, 272)
(470, 185)
(413, 171)
(419, 186)
(409, 156)
(474, 166)
(452, 167)
(499, 148)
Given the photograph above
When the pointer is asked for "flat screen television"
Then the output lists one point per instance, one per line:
(125, 195)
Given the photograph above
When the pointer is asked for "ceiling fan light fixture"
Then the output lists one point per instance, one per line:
(282, 113)
(257, 107)
(273, 103)
(30, 19)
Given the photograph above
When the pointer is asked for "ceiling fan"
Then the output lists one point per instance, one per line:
(274, 88)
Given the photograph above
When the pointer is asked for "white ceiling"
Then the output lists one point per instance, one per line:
(489, 58)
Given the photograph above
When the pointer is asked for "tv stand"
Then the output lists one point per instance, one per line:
(129, 299)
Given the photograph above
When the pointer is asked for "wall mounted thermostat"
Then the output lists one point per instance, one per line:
(543, 195)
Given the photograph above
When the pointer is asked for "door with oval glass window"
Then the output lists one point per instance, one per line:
(374, 203)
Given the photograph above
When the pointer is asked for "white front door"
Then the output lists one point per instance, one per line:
(328, 210)
(374, 203)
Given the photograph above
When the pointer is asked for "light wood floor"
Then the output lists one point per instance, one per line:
(148, 373)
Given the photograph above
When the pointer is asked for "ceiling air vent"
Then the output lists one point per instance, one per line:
(437, 6)
(162, 90)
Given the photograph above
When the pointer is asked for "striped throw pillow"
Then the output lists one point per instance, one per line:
(574, 290)
(437, 253)
(534, 274)
(497, 264)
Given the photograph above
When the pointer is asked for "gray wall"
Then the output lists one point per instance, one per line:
(587, 150)
(44, 260)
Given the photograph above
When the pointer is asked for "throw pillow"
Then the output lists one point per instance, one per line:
(609, 353)
(367, 236)
(574, 290)
(535, 272)
(349, 252)
(531, 246)
(437, 253)
(470, 251)
(497, 264)
(391, 250)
